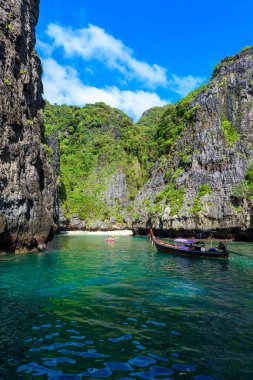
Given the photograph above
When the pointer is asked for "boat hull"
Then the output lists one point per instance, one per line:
(162, 246)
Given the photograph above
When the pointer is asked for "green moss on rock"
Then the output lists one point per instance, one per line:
(203, 190)
(249, 181)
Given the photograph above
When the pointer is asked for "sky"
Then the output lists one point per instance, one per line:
(134, 55)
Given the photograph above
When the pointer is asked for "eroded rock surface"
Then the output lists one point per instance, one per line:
(182, 168)
(211, 160)
(26, 178)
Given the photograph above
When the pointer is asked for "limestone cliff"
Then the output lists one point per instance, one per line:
(203, 179)
(183, 167)
(26, 178)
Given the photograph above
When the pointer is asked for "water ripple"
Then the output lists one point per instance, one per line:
(130, 313)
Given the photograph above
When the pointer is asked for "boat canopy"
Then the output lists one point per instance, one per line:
(185, 241)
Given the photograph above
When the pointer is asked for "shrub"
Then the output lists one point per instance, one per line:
(249, 180)
(230, 133)
(227, 60)
(10, 27)
(240, 190)
(29, 122)
(205, 189)
(216, 70)
(196, 207)
(245, 48)
(173, 196)
(7, 82)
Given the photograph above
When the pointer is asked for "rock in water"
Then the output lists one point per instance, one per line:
(27, 190)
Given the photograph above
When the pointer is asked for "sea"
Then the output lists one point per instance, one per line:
(91, 309)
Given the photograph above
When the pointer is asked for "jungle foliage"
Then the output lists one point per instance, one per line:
(96, 141)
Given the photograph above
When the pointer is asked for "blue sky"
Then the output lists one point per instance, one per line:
(134, 54)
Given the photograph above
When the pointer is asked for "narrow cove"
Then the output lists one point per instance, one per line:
(87, 309)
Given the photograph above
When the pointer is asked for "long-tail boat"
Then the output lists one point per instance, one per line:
(189, 247)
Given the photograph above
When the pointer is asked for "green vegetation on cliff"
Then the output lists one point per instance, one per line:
(175, 119)
(249, 181)
(151, 118)
(230, 133)
(172, 194)
(96, 142)
(197, 206)
(106, 159)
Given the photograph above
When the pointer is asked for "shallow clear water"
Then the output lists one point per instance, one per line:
(90, 309)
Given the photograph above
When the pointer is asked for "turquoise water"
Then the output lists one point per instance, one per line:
(89, 310)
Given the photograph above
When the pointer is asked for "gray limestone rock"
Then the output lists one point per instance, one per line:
(27, 185)
(212, 160)
(117, 189)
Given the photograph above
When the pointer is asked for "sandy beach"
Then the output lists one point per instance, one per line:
(99, 233)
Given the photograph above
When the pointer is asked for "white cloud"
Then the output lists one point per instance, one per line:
(46, 48)
(94, 43)
(62, 86)
(184, 85)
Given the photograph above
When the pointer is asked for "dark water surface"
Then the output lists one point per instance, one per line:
(90, 309)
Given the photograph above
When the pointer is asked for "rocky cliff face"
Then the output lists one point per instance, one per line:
(183, 167)
(26, 178)
(204, 179)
